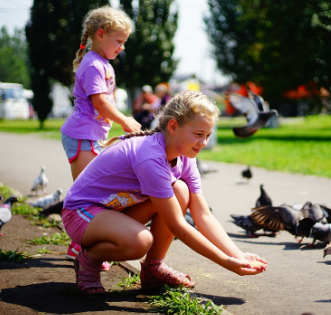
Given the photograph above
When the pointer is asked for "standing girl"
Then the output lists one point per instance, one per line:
(105, 31)
(150, 175)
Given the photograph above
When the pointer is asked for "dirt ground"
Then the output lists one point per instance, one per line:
(45, 284)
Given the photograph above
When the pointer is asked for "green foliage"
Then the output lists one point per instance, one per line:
(13, 58)
(147, 58)
(129, 281)
(5, 191)
(40, 220)
(179, 301)
(12, 256)
(55, 239)
(274, 44)
(24, 209)
(53, 34)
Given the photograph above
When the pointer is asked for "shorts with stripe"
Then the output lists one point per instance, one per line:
(76, 221)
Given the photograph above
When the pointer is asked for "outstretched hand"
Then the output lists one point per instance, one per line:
(247, 264)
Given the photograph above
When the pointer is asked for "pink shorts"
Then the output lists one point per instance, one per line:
(76, 221)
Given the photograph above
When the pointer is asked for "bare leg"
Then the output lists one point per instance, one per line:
(82, 160)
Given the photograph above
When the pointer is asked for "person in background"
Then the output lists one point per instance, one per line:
(105, 31)
(145, 106)
(150, 175)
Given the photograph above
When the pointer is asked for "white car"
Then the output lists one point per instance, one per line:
(13, 104)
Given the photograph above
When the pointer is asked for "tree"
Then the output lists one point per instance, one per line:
(271, 43)
(13, 58)
(147, 58)
(54, 34)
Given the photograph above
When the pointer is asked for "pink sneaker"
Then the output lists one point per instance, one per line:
(73, 251)
(105, 266)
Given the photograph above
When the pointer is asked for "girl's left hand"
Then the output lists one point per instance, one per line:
(257, 262)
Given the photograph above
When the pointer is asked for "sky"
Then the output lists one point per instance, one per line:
(191, 41)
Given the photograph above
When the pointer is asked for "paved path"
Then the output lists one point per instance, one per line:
(297, 279)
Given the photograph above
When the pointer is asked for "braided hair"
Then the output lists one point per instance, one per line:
(106, 18)
(185, 107)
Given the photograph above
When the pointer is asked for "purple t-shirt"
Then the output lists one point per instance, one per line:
(130, 171)
(94, 75)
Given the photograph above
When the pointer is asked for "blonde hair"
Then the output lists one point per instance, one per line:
(106, 18)
(185, 107)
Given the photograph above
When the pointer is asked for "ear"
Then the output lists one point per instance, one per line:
(100, 34)
(172, 126)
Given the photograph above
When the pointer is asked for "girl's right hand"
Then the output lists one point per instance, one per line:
(244, 267)
(131, 125)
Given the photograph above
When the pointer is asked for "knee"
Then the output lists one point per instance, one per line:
(182, 194)
(141, 244)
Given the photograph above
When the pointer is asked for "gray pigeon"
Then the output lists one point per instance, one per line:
(264, 199)
(247, 223)
(286, 218)
(5, 211)
(321, 232)
(204, 168)
(252, 107)
(47, 200)
(41, 182)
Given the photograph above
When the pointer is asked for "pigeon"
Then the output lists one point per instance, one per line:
(286, 218)
(247, 223)
(40, 182)
(5, 211)
(204, 168)
(247, 173)
(53, 209)
(252, 107)
(327, 250)
(321, 232)
(47, 200)
(264, 199)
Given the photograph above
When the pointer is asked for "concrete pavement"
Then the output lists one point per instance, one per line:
(296, 280)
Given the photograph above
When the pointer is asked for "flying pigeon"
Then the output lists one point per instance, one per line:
(252, 107)
(204, 168)
(321, 232)
(247, 173)
(47, 200)
(55, 208)
(286, 218)
(327, 250)
(5, 211)
(40, 182)
(264, 199)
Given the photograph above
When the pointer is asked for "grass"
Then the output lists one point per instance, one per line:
(300, 145)
(55, 239)
(13, 256)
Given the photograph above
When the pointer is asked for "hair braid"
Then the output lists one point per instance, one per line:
(140, 133)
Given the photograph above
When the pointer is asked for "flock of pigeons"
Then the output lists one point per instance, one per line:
(308, 220)
(45, 202)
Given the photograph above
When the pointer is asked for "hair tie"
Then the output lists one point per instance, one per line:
(82, 46)
(122, 137)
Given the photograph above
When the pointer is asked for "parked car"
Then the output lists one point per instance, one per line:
(13, 104)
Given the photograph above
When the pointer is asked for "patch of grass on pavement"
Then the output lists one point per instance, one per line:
(12, 256)
(55, 239)
(179, 301)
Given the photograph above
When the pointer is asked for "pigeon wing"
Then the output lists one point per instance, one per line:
(246, 223)
(244, 105)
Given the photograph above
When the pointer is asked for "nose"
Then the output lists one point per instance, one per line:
(204, 142)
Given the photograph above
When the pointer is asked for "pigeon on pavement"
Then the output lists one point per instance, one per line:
(247, 173)
(286, 218)
(53, 209)
(41, 182)
(264, 199)
(5, 211)
(204, 168)
(321, 232)
(252, 107)
(247, 223)
(48, 200)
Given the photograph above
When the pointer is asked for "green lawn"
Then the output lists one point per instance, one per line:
(301, 145)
